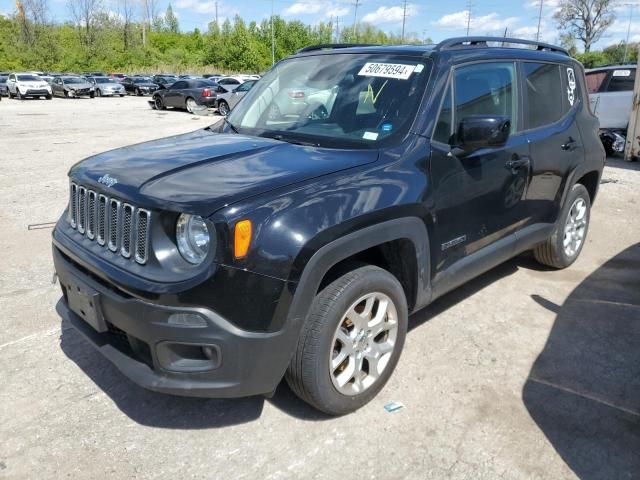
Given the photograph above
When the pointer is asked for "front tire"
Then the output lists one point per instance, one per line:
(98, 93)
(223, 108)
(138, 93)
(190, 105)
(351, 341)
(19, 95)
(158, 103)
(564, 245)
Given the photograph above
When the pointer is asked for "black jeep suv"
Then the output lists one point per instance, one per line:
(350, 187)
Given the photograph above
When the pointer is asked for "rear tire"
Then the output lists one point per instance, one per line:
(348, 346)
(564, 245)
(98, 93)
(190, 105)
(137, 92)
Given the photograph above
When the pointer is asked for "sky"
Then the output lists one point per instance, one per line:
(436, 19)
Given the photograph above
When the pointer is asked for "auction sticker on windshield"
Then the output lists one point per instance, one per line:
(387, 70)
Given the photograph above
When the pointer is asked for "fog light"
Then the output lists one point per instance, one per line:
(187, 320)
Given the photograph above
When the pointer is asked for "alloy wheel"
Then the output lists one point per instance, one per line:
(575, 227)
(363, 343)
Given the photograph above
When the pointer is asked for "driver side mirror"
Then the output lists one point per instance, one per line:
(481, 131)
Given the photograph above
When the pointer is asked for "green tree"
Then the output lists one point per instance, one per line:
(171, 21)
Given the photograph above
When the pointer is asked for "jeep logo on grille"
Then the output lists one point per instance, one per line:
(107, 180)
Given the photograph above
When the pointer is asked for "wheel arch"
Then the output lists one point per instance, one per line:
(401, 246)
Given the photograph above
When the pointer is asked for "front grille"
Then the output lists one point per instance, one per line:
(121, 227)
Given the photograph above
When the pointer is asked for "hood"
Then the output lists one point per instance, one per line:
(203, 171)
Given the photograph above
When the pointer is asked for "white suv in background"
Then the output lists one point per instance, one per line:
(23, 85)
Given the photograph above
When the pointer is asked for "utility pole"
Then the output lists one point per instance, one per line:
(404, 17)
(469, 7)
(337, 29)
(626, 43)
(632, 145)
(539, 21)
(217, 24)
(355, 21)
(273, 39)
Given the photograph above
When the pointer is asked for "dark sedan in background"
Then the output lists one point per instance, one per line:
(139, 85)
(191, 95)
(4, 91)
(164, 80)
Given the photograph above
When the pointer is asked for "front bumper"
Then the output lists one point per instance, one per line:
(138, 338)
(112, 93)
(35, 92)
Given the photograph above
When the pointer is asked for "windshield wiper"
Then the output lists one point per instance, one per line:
(294, 141)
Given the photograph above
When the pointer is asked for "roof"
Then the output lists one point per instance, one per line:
(612, 67)
(458, 44)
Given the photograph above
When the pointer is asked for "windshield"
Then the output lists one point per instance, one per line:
(142, 80)
(73, 80)
(104, 80)
(3, 79)
(341, 100)
(28, 78)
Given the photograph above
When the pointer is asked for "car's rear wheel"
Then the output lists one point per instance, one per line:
(137, 92)
(564, 245)
(191, 105)
(223, 108)
(351, 341)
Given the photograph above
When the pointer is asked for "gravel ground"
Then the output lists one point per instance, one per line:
(522, 373)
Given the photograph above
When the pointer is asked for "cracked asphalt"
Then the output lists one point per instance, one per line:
(521, 373)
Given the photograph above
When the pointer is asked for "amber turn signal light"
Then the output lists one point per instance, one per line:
(242, 238)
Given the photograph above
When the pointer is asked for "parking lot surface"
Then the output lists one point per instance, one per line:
(522, 373)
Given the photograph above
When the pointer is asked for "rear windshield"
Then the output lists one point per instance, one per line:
(338, 100)
(28, 78)
(204, 83)
(142, 80)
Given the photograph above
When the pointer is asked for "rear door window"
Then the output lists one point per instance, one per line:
(545, 93)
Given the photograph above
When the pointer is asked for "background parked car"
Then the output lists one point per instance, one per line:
(139, 85)
(230, 83)
(212, 76)
(164, 80)
(3, 85)
(611, 97)
(72, 86)
(189, 76)
(117, 76)
(187, 94)
(23, 85)
(226, 101)
(107, 87)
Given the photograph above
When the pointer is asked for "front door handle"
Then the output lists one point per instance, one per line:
(517, 162)
(570, 145)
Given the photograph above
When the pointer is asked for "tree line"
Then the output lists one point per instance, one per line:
(98, 39)
(141, 39)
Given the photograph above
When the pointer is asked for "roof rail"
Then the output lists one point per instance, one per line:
(331, 46)
(463, 42)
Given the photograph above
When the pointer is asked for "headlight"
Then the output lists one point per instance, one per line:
(192, 236)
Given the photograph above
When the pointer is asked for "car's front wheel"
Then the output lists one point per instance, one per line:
(158, 103)
(98, 92)
(19, 95)
(351, 341)
(223, 108)
(564, 245)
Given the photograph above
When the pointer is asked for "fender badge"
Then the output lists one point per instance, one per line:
(107, 180)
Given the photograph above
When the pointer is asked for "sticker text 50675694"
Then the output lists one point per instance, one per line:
(387, 70)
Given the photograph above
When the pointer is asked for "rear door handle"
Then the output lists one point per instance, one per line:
(570, 145)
